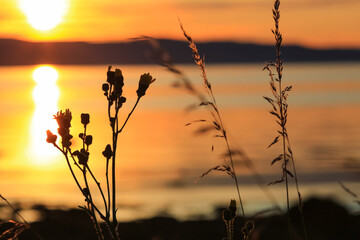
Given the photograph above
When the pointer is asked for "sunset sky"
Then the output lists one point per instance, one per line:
(315, 23)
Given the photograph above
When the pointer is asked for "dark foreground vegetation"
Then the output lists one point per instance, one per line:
(325, 220)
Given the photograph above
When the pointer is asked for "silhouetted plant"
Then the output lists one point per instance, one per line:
(214, 123)
(280, 111)
(14, 230)
(79, 159)
(235, 228)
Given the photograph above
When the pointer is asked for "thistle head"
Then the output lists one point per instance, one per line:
(145, 80)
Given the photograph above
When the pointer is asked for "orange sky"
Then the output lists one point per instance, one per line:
(316, 23)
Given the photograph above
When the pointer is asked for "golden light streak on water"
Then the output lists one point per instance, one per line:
(45, 95)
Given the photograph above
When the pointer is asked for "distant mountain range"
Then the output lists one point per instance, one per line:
(15, 52)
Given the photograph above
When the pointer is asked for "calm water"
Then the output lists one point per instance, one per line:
(159, 158)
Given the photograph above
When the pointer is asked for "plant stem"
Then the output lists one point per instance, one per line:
(76, 181)
(91, 207)
(283, 131)
(137, 101)
(99, 187)
(108, 187)
(115, 137)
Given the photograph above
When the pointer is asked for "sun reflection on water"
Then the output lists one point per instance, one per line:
(45, 95)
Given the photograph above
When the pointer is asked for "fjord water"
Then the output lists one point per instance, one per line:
(159, 158)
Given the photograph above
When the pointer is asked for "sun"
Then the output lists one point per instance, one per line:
(44, 15)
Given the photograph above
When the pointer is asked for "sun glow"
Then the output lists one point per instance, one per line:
(45, 95)
(43, 15)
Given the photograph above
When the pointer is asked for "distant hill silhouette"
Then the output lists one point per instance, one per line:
(15, 52)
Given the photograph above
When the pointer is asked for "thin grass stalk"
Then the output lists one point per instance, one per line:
(279, 67)
(163, 59)
(98, 231)
(300, 204)
(201, 63)
(279, 110)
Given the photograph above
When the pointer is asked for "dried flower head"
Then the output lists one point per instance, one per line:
(64, 121)
(110, 76)
(83, 156)
(51, 138)
(118, 73)
(145, 80)
(118, 83)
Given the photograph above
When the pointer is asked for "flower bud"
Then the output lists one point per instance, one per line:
(85, 118)
(145, 80)
(86, 192)
(51, 138)
(232, 207)
(105, 87)
(122, 100)
(88, 140)
(107, 152)
(83, 156)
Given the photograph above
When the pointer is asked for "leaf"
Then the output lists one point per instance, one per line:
(289, 173)
(208, 103)
(268, 99)
(273, 86)
(275, 141)
(221, 136)
(232, 153)
(220, 168)
(204, 103)
(196, 121)
(217, 125)
(278, 158)
(203, 130)
(276, 182)
(288, 89)
(275, 114)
